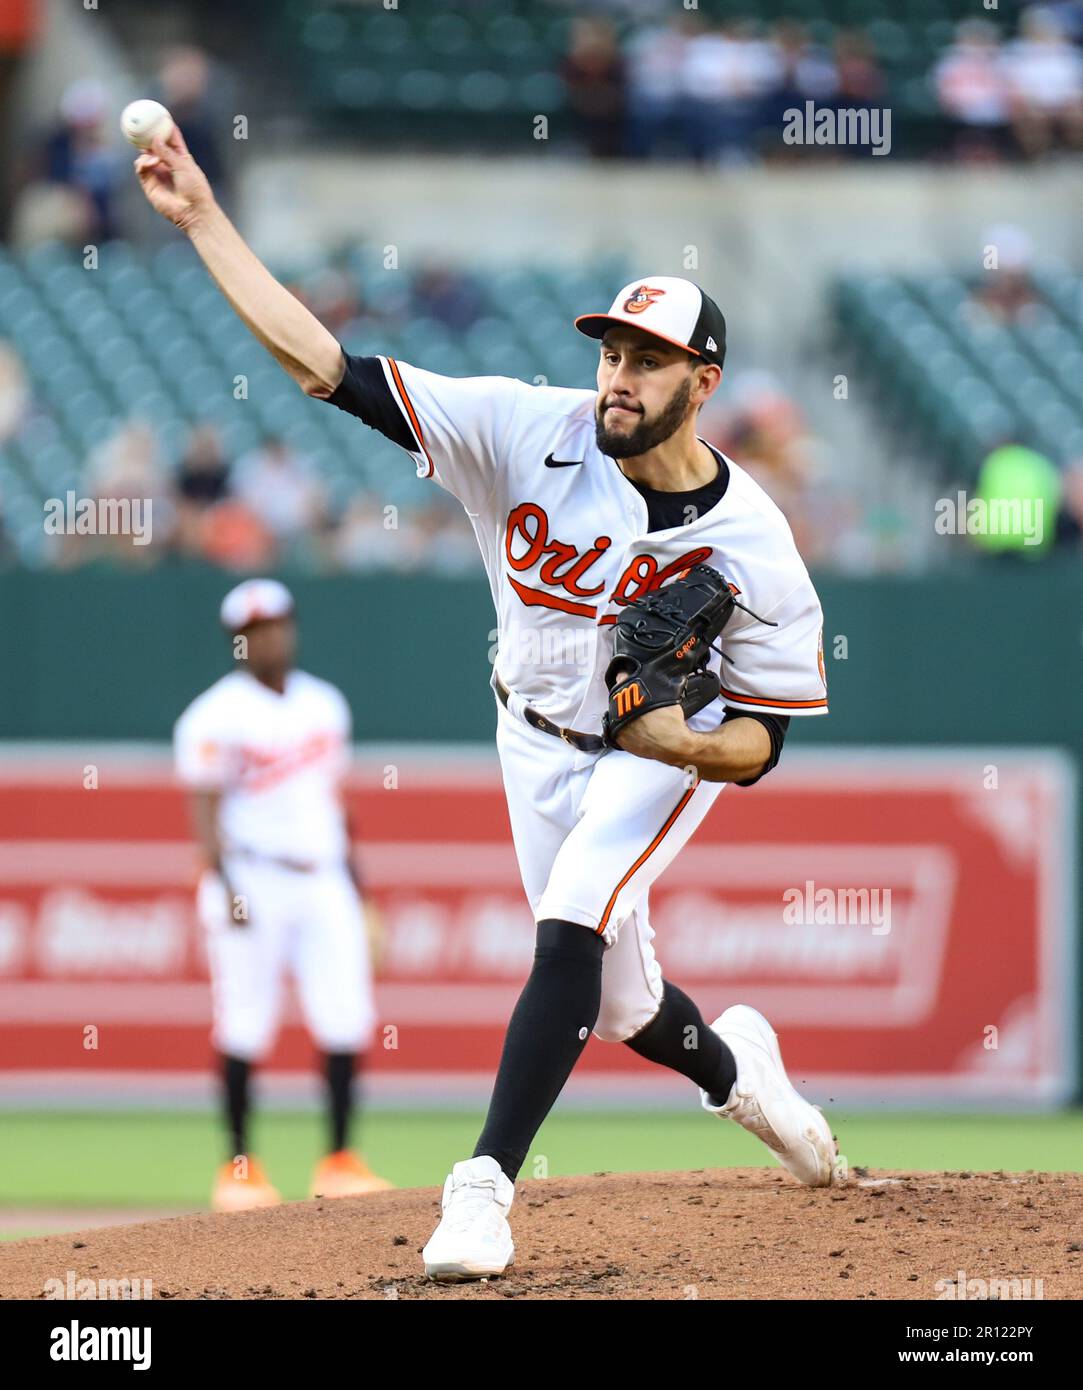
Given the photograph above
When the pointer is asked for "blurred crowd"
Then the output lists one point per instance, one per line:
(1021, 98)
(687, 88)
(73, 184)
(265, 508)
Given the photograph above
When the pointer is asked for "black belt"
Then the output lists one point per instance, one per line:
(586, 743)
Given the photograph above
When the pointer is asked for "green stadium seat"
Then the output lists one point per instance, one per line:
(326, 31)
(386, 32)
(482, 90)
(511, 36)
(360, 88)
(423, 89)
(450, 35)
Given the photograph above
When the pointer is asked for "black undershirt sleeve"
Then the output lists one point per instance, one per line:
(776, 726)
(364, 392)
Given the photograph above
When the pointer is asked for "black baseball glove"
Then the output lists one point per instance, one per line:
(662, 646)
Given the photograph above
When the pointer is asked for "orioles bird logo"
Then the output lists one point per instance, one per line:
(641, 299)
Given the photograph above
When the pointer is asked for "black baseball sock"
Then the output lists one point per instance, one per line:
(236, 1074)
(339, 1069)
(548, 1030)
(678, 1037)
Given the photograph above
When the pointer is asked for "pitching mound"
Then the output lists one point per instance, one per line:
(737, 1233)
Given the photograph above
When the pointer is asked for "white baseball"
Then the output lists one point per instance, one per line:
(144, 121)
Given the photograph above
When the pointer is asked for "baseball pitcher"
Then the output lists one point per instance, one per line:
(657, 632)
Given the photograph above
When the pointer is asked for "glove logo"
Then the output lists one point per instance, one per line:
(627, 699)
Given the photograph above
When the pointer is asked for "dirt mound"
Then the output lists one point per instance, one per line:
(737, 1233)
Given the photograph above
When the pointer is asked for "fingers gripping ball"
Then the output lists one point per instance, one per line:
(662, 646)
(144, 122)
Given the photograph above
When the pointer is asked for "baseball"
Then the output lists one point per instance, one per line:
(144, 121)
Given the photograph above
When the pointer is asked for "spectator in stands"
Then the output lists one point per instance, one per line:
(185, 89)
(19, 27)
(860, 77)
(449, 296)
(1021, 491)
(232, 536)
(278, 487)
(9, 554)
(1069, 529)
(655, 59)
(1006, 290)
(861, 82)
(972, 88)
(202, 479)
(123, 467)
(368, 535)
(439, 541)
(81, 154)
(730, 76)
(332, 295)
(593, 73)
(1045, 77)
(719, 94)
(805, 72)
(14, 393)
(763, 430)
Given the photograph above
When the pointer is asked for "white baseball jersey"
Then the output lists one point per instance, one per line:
(565, 541)
(277, 760)
(563, 536)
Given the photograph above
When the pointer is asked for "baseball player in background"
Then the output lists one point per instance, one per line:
(581, 501)
(263, 753)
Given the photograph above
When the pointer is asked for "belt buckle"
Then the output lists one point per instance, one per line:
(566, 735)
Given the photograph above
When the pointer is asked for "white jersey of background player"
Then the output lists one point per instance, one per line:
(580, 500)
(263, 752)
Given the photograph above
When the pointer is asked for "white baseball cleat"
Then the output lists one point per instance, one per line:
(473, 1239)
(765, 1103)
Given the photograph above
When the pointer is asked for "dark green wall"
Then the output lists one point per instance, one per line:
(993, 655)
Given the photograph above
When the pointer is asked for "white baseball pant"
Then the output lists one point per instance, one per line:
(310, 925)
(592, 832)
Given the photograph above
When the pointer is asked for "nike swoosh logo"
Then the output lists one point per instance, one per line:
(551, 462)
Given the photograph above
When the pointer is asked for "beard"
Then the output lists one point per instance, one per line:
(647, 434)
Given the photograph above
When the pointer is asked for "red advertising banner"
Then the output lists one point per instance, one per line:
(904, 919)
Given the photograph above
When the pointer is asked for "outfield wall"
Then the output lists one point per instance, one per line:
(908, 929)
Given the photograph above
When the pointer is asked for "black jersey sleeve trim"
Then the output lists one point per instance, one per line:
(364, 392)
(776, 726)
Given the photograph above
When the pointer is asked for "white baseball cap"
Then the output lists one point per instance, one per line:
(677, 311)
(254, 601)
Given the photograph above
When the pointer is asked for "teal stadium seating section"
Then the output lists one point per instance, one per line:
(955, 380)
(150, 337)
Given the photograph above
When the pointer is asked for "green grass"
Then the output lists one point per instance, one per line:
(167, 1159)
